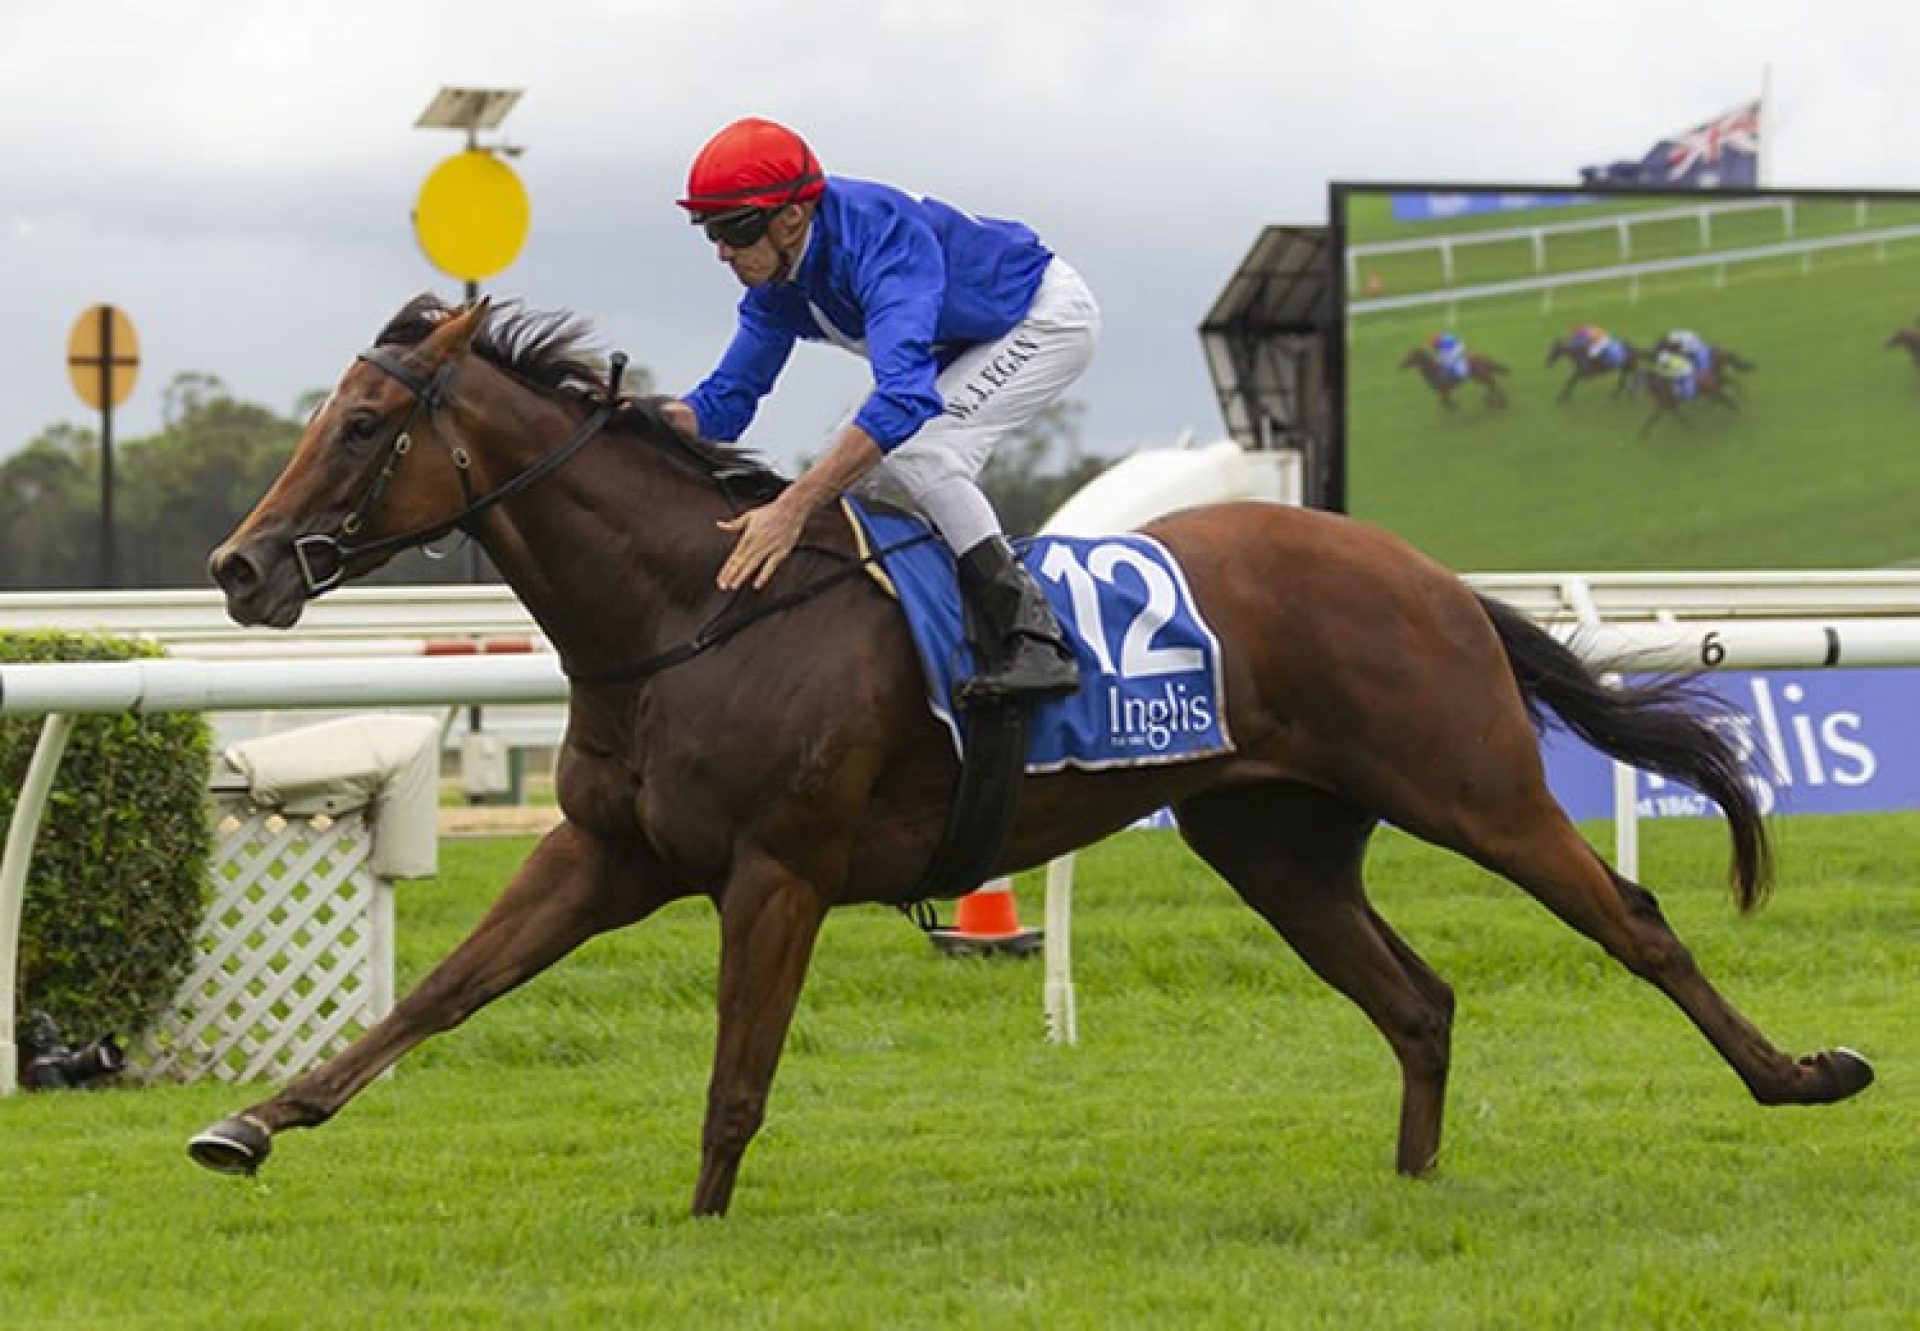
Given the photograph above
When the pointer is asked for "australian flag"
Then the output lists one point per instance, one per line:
(1721, 154)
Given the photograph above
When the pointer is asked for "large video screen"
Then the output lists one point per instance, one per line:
(1559, 380)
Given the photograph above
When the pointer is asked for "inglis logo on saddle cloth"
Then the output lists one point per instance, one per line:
(1150, 666)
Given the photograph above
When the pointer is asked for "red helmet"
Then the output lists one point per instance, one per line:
(752, 163)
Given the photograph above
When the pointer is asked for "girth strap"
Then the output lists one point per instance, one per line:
(985, 806)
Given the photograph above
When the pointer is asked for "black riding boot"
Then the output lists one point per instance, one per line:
(1022, 650)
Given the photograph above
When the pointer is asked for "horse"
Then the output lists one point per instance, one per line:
(1588, 366)
(1909, 339)
(774, 751)
(1708, 386)
(1726, 358)
(1482, 370)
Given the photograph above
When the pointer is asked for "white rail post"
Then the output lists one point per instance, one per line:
(21, 833)
(1062, 1025)
(1626, 806)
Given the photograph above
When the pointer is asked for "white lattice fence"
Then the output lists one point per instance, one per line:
(295, 951)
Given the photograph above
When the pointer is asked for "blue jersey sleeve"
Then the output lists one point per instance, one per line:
(726, 400)
(901, 282)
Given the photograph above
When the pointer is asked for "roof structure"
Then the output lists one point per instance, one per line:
(1266, 343)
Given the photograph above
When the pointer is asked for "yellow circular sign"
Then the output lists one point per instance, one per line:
(103, 356)
(472, 215)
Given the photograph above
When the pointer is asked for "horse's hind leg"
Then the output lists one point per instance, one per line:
(573, 887)
(1535, 846)
(1294, 855)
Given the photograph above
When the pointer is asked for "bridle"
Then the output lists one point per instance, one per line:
(429, 395)
(323, 557)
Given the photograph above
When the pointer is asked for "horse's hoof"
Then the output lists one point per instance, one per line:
(235, 1145)
(1849, 1072)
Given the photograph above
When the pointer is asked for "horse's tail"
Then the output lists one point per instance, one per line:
(1737, 361)
(1666, 726)
(1494, 366)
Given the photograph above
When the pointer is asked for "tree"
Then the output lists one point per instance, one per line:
(178, 493)
(49, 511)
(185, 488)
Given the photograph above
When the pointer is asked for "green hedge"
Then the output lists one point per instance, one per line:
(119, 876)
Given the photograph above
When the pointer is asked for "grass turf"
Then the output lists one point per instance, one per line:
(1217, 1150)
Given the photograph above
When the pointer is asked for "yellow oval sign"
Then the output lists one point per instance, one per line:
(472, 215)
(103, 356)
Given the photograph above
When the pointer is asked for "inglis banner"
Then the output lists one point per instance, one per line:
(1833, 741)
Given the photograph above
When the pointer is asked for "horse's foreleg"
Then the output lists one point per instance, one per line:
(769, 919)
(1294, 855)
(1566, 393)
(573, 887)
(1659, 410)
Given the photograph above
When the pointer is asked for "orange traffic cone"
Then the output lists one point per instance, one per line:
(987, 920)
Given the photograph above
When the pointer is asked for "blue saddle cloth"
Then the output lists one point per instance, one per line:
(1150, 690)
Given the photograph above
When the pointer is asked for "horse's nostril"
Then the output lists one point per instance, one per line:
(232, 570)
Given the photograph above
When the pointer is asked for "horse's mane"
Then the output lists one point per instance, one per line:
(552, 350)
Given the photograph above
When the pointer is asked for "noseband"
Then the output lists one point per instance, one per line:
(323, 556)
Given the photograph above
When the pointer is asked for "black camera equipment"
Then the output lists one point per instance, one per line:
(49, 1064)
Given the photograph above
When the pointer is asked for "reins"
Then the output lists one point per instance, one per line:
(720, 628)
(431, 394)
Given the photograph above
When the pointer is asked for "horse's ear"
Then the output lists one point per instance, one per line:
(453, 337)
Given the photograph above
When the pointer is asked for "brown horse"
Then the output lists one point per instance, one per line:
(1909, 340)
(1588, 366)
(1708, 386)
(781, 764)
(1481, 370)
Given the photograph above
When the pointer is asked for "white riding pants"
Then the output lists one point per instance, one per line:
(991, 391)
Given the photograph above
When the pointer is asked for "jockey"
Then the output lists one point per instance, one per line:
(1451, 352)
(972, 327)
(1600, 345)
(1677, 368)
(1691, 345)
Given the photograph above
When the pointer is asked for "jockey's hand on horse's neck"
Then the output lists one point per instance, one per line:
(768, 534)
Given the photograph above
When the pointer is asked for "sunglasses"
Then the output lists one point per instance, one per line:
(739, 229)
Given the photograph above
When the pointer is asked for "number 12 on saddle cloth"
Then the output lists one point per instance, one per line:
(1151, 689)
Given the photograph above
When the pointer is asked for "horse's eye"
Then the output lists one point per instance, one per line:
(361, 427)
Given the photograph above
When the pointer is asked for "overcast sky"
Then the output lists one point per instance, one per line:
(240, 176)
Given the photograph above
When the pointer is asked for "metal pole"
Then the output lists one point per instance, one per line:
(473, 546)
(107, 570)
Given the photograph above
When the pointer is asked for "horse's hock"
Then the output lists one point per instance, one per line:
(295, 952)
